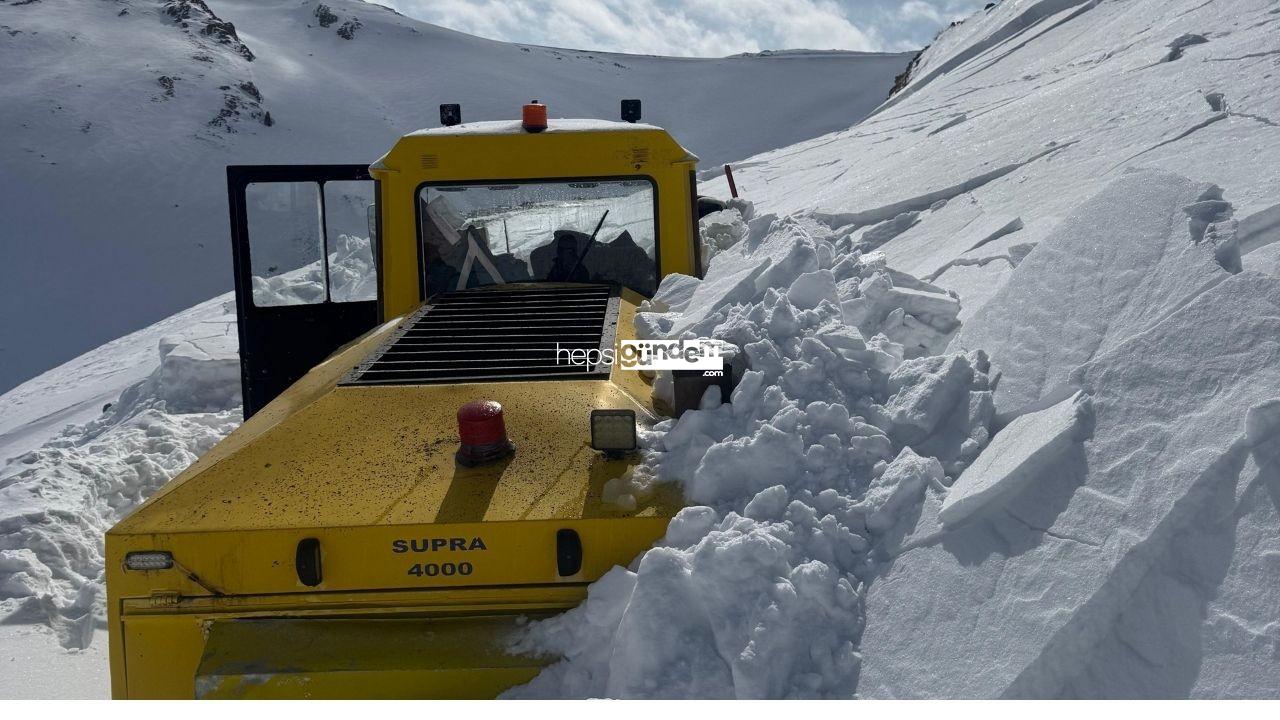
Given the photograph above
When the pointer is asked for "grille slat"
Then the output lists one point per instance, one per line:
(499, 295)
(514, 323)
(470, 350)
(495, 334)
(515, 312)
(498, 331)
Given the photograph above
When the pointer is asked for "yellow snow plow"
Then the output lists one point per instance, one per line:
(430, 423)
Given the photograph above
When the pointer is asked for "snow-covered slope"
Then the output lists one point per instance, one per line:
(77, 391)
(1009, 417)
(120, 116)
(1016, 115)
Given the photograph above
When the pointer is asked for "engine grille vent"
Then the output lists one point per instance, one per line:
(494, 334)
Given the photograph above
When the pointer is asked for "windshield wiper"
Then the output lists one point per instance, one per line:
(590, 241)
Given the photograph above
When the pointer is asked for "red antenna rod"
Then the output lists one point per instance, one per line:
(728, 173)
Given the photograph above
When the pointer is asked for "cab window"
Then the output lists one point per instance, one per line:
(597, 230)
(310, 242)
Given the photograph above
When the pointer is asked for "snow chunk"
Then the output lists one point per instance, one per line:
(1180, 43)
(1262, 428)
(199, 375)
(880, 234)
(720, 231)
(1259, 230)
(1265, 259)
(924, 391)
(1019, 454)
(673, 294)
(811, 289)
(22, 575)
(746, 465)
(1083, 290)
(899, 488)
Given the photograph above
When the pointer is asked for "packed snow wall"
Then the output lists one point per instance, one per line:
(857, 531)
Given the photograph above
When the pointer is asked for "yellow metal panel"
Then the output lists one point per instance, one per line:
(368, 558)
(156, 650)
(162, 654)
(458, 658)
(361, 456)
(631, 382)
(328, 456)
(360, 468)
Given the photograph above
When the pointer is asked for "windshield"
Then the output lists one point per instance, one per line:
(560, 231)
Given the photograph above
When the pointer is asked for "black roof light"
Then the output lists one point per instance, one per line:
(631, 110)
(450, 114)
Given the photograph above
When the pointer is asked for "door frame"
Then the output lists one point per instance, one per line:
(258, 389)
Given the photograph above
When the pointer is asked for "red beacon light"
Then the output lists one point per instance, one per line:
(534, 117)
(483, 434)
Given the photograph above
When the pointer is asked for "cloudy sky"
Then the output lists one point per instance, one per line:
(707, 28)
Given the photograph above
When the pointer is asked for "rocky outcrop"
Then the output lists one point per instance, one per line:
(195, 16)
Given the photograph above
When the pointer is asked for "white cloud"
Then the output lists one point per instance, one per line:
(694, 27)
(921, 10)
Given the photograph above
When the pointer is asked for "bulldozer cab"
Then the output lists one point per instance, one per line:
(423, 464)
(463, 207)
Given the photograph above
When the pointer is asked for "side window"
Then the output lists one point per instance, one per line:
(349, 227)
(286, 243)
(311, 242)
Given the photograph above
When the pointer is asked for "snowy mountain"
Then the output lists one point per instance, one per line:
(120, 116)
(1010, 416)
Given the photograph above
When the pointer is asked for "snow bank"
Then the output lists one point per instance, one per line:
(1055, 566)
(756, 591)
(74, 393)
(1061, 98)
(1106, 577)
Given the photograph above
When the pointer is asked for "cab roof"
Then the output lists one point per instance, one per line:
(568, 143)
(515, 127)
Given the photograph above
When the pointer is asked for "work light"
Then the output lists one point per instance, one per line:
(631, 110)
(149, 560)
(613, 432)
(450, 114)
